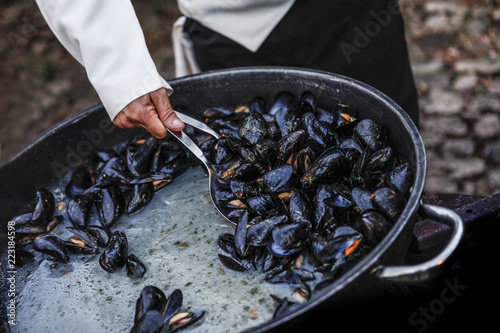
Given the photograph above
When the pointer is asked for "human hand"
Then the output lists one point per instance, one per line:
(152, 112)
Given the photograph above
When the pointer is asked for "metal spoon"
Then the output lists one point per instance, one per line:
(212, 184)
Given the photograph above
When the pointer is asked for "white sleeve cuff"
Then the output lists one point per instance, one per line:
(117, 95)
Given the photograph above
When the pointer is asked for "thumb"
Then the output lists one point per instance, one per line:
(165, 111)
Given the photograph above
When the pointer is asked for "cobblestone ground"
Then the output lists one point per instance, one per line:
(454, 49)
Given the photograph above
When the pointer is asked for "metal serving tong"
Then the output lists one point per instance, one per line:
(197, 124)
(213, 185)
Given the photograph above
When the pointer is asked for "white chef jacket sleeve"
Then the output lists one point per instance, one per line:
(106, 38)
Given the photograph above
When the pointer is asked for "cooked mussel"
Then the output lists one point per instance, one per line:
(329, 166)
(151, 298)
(184, 319)
(388, 202)
(371, 134)
(253, 128)
(289, 144)
(229, 256)
(299, 209)
(44, 206)
(402, 177)
(79, 209)
(373, 225)
(345, 240)
(291, 235)
(52, 246)
(141, 161)
(101, 234)
(277, 179)
(116, 252)
(110, 205)
(151, 322)
(260, 233)
(135, 267)
(142, 194)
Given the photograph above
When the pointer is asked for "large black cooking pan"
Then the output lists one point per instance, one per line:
(44, 162)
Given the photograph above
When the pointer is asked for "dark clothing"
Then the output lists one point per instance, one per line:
(362, 39)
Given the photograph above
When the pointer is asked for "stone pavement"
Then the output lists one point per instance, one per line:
(454, 49)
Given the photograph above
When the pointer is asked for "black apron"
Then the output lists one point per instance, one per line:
(362, 39)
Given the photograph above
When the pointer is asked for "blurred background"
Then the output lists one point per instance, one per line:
(454, 50)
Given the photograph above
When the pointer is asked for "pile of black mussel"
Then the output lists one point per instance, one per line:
(111, 183)
(154, 312)
(306, 187)
(309, 189)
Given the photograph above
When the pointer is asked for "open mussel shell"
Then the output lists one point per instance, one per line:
(51, 246)
(240, 234)
(300, 208)
(101, 234)
(241, 189)
(31, 229)
(343, 243)
(230, 256)
(236, 264)
(289, 144)
(112, 171)
(183, 319)
(362, 198)
(154, 312)
(75, 245)
(173, 305)
(84, 235)
(282, 306)
(151, 298)
(265, 205)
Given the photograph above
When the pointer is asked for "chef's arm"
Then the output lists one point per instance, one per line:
(106, 38)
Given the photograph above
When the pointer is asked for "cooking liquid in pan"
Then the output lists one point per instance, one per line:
(175, 235)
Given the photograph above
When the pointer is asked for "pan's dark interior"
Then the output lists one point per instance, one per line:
(43, 162)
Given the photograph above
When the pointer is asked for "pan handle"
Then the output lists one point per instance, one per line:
(435, 266)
